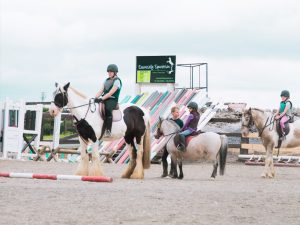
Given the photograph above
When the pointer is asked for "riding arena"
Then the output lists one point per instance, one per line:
(41, 180)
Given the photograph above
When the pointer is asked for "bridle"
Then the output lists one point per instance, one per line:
(270, 121)
(158, 131)
(251, 122)
(61, 100)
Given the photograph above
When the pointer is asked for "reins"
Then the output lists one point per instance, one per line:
(91, 102)
(272, 121)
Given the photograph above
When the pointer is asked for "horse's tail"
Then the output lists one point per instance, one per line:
(223, 153)
(147, 147)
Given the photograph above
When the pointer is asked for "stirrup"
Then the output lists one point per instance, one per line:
(180, 148)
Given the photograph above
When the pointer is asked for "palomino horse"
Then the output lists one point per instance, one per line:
(134, 126)
(205, 146)
(264, 124)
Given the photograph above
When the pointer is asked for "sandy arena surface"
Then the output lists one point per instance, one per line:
(239, 197)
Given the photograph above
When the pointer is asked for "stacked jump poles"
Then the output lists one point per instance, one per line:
(56, 177)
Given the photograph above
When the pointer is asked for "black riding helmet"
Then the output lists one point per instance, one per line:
(285, 93)
(193, 105)
(112, 68)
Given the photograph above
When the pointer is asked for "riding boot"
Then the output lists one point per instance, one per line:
(108, 127)
(181, 146)
(279, 143)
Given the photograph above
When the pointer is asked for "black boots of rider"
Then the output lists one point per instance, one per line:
(279, 143)
(181, 145)
(108, 124)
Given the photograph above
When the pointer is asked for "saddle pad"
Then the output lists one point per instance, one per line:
(117, 114)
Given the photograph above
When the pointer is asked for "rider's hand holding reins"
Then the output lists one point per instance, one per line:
(98, 100)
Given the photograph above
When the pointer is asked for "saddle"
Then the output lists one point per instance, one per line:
(282, 133)
(180, 140)
(117, 114)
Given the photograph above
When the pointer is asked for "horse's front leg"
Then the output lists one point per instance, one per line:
(83, 166)
(138, 172)
(95, 167)
(132, 162)
(165, 163)
(269, 171)
(174, 173)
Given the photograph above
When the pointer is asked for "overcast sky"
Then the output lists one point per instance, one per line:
(252, 47)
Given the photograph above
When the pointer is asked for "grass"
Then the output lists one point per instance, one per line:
(62, 135)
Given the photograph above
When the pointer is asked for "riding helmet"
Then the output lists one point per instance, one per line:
(285, 93)
(193, 105)
(112, 68)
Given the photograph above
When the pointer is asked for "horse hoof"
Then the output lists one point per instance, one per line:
(263, 175)
(212, 178)
(125, 176)
(180, 177)
(164, 175)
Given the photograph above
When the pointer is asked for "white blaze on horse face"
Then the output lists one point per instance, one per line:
(54, 110)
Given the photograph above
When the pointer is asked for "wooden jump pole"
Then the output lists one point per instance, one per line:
(56, 177)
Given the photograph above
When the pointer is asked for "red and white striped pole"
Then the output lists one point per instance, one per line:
(57, 177)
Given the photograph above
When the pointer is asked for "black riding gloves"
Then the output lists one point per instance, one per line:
(98, 100)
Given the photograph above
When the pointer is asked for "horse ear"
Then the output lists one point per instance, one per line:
(56, 84)
(66, 86)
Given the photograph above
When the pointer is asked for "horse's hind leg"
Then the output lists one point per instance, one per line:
(95, 167)
(132, 162)
(215, 170)
(138, 172)
(180, 170)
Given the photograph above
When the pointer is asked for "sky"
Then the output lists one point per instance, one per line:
(252, 47)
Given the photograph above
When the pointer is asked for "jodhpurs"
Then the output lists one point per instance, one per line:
(283, 120)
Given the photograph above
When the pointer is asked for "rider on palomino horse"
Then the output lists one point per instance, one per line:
(109, 93)
(190, 125)
(284, 114)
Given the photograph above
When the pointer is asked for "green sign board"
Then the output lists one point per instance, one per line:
(155, 69)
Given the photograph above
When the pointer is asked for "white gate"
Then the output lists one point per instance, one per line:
(12, 127)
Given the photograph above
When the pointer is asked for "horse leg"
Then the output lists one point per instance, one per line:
(138, 172)
(132, 162)
(95, 167)
(174, 166)
(269, 166)
(83, 166)
(172, 169)
(180, 170)
(215, 170)
(165, 163)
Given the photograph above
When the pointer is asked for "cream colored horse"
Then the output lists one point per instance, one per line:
(135, 118)
(263, 122)
(205, 146)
